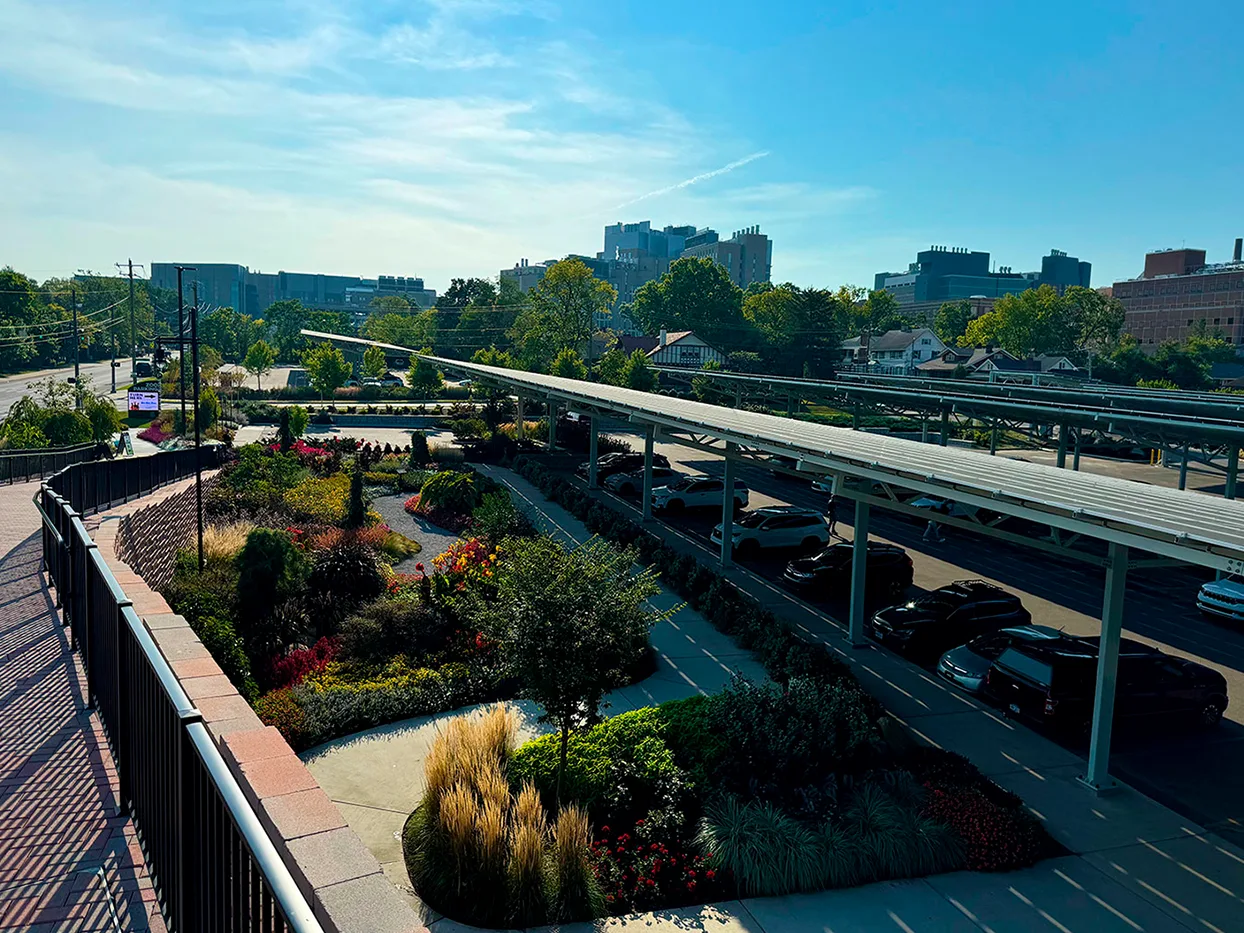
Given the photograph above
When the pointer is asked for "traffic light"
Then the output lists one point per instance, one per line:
(159, 355)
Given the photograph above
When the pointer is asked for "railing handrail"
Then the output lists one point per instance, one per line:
(45, 451)
(297, 914)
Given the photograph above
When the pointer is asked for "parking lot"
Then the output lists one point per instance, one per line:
(1197, 772)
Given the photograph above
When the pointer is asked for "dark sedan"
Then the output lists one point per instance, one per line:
(949, 616)
(888, 575)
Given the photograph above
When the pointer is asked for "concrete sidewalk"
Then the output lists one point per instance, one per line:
(1135, 865)
(67, 860)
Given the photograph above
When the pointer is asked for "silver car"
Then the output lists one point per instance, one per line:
(967, 665)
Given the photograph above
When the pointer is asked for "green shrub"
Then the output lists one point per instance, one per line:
(271, 570)
(219, 638)
(280, 708)
(496, 518)
(696, 747)
(391, 627)
(449, 489)
(420, 456)
(342, 577)
(619, 768)
(766, 851)
(197, 595)
(380, 478)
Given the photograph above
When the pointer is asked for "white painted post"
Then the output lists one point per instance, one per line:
(859, 571)
(1098, 777)
(727, 506)
(649, 436)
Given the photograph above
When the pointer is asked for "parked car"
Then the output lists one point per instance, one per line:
(949, 616)
(1223, 598)
(697, 492)
(627, 484)
(779, 526)
(372, 381)
(967, 665)
(1055, 685)
(625, 461)
(889, 570)
(391, 381)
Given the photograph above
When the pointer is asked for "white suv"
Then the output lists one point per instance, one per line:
(1223, 598)
(784, 526)
(695, 492)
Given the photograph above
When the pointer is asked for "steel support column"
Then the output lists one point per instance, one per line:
(552, 425)
(1233, 470)
(993, 440)
(592, 444)
(1075, 462)
(945, 428)
(924, 430)
(859, 571)
(650, 432)
(727, 505)
(855, 417)
(1183, 466)
(520, 428)
(1062, 446)
(1098, 777)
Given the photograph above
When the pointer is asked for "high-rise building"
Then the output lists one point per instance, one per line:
(747, 255)
(942, 274)
(1178, 289)
(222, 284)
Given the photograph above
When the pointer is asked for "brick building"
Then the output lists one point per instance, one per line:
(1179, 288)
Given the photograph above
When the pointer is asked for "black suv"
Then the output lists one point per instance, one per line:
(888, 573)
(622, 462)
(946, 617)
(1055, 685)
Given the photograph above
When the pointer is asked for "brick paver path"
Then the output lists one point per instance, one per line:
(68, 862)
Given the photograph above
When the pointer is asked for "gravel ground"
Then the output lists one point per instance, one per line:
(434, 539)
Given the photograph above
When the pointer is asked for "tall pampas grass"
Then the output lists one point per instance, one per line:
(577, 894)
(225, 541)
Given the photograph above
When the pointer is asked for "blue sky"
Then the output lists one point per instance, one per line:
(453, 137)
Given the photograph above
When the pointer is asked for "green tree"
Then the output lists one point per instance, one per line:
(389, 304)
(209, 408)
(420, 456)
(259, 359)
(103, 416)
(1037, 320)
(1098, 321)
(374, 363)
(298, 421)
(568, 623)
(706, 388)
(402, 330)
(286, 319)
(639, 373)
(951, 321)
(284, 432)
(799, 328)
(560, 312)
(611, 367)
(569, 365)
(230, 332)
(19, 306)
(480, 322)
(424, 378)
(356, 513)
(453, 302)
(491, 356)
(698, 295)
(327, 367)
(271, 571)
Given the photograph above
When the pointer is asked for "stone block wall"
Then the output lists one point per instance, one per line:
(149, 538)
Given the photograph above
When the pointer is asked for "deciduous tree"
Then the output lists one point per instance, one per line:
(327, 367)
(259, 359)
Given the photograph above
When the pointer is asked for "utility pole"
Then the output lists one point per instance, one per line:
(77, 377)
(127, 268)
(198, 437)
(181, 340)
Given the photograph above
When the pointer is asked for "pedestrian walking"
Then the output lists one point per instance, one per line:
(933, 534)
(831, 513)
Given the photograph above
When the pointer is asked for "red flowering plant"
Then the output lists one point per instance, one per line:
(645, 868)
(301, 663)
(995, 838)
(155, 433)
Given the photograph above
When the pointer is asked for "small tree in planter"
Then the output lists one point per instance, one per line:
(420, 456)
(356, 512)
(569, 623)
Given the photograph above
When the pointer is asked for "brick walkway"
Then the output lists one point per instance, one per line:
(67, 861)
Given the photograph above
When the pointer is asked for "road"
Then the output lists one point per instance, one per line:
(14, 387)
(1200, 774)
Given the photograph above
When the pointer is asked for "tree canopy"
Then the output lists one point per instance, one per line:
(327, 367)
(696, 294)
(560, 312)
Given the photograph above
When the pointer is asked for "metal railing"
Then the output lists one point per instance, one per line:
(19, 466)
(212, 864)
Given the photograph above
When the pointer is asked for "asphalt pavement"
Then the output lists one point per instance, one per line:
(1197, 773)
(14, 387)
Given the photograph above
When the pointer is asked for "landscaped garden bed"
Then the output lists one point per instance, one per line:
(800, 783)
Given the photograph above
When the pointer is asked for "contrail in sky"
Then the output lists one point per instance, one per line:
(696, 179)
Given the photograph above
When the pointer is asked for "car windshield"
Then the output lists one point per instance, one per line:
(685, 482)
(936, 602)
(832, 557)
(752, 519)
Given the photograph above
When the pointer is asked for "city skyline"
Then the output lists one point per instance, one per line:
(449, 139)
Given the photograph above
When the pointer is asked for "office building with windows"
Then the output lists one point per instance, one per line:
(1177, 290)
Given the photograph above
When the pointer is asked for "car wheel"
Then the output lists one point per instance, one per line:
(810, 544)
(675, 505)
(626, 489)
(748, 548)
(1211, 713)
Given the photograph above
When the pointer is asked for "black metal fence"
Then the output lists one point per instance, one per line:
(212, 864)
(19, 466)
